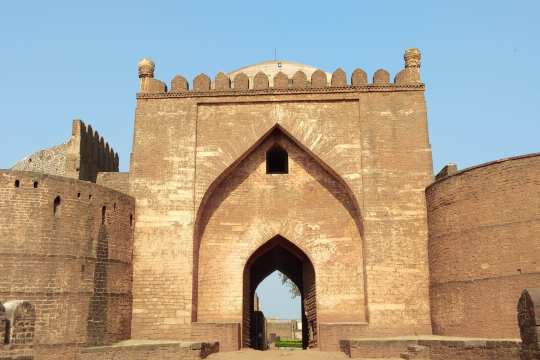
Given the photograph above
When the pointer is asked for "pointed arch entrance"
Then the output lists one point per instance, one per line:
(310, 206)
(281, 255)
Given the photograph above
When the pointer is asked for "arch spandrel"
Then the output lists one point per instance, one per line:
(310, 206)
(329, 130)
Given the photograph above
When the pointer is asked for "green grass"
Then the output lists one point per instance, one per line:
(289, 343)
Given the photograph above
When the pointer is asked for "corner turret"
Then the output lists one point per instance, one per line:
(411, 73)
(146, 78)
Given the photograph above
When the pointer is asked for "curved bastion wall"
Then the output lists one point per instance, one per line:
(66, 246)
(484, 246)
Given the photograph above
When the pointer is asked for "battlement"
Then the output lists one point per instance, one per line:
(95, 153)
(238, 83)
(81, 157)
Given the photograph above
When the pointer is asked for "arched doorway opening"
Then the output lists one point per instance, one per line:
(282, 255)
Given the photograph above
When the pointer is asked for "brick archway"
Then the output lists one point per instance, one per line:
(309, 205)
(282, 255)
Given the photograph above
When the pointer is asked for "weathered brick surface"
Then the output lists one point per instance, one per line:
(477, 350)
(82, 157)
(74, 267)
(322, 225)
(353, 202)
(330, 334)
(226, 334)
(48, 161)
(528, 315)
(161, 179)
(434, 348)
(349, 216)
(285, 329)
(21, 317)
(118, 181)
(484, 246)
(17, 354)
(373, 349)
(56, 351)
(4, 322)
(146, 350)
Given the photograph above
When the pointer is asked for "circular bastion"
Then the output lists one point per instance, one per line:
(484, 246)
(66, 246)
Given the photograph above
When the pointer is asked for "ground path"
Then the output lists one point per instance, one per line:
(248, 354)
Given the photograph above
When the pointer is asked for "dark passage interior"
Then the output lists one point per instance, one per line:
(277, 160)
(282, 255)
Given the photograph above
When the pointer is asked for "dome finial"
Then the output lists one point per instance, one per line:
(146, 68)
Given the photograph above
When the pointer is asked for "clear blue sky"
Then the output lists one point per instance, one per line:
(65, 59)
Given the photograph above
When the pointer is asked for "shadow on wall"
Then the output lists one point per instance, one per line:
(528, 310)
(97, 310)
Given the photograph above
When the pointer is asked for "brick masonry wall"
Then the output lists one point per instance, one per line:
(56, 351)
(310, 325)
(373, 142)
(440, 348)
(484, 246)
(365, 349)
(161, 180)
(307, 206)
(73, 266)
(49, 161)
(227, 334)
(133, 350)
(282, 328)
(465, 350)
(118, 181)
(17, 354)
(81, 157)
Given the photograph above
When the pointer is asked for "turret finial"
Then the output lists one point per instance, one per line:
(146, 68)
(412, 58)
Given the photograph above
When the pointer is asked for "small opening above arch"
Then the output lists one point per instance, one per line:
(277, 160)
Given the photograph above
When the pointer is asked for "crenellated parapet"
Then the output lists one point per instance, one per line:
(263, 81)
(96, 155)
(81, 157)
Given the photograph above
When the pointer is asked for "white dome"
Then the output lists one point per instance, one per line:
(271, 68)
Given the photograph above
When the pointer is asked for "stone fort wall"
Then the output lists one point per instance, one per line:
(372, 136)
(484, 247)
(66, 247)
(84, 155)
(118, 181)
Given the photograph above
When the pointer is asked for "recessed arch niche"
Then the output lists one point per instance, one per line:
(311, 207)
